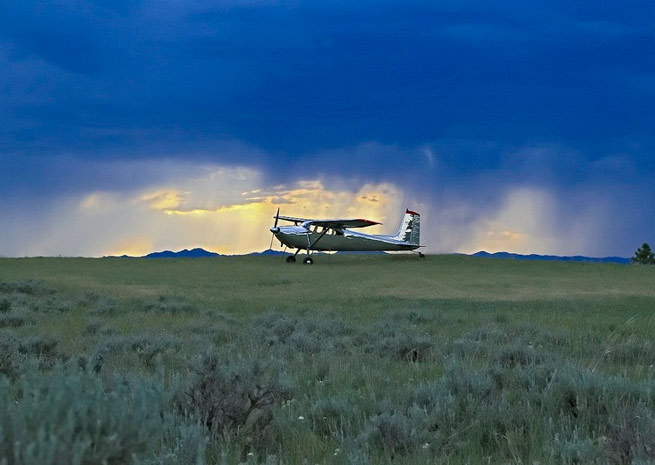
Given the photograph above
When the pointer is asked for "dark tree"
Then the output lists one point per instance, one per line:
(644, 255)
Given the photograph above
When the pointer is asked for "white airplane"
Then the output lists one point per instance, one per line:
(332, 235)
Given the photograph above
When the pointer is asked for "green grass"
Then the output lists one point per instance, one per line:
(500, 346)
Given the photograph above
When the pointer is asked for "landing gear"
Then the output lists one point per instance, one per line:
(420, 255)
(307, 261)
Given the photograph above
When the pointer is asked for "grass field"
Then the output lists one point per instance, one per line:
(357, 359)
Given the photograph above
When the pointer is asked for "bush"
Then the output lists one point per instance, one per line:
(333, 326)
(464, 347)
(11, 320)
(305, 341)
(104, 306)
(235, 397)
(69, 416)
(574, 450)
(187, 445)
(215, 333)
(413, 316)
(11, 359)
(29, 287)
(169, 304)
(145, 346)
(5, 305)
(333, 416)
(93, 326)
(631, 435)
(398, 432)
(40, 346)
(401, 345)
(273, 328)
(631, 352)
(518, 355)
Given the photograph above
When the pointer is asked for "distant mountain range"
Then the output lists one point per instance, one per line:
(576, 258)
(202, 253)
(186, 253)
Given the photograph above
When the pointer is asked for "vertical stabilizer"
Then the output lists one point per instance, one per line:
(410, 228)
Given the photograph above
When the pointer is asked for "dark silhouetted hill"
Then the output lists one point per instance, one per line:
(202, 253)
(576, 258)
(267, 252)
(186, 253)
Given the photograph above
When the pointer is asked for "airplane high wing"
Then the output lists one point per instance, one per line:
(332, 224)
(332, 235)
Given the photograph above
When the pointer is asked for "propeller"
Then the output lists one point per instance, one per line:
(274, 229)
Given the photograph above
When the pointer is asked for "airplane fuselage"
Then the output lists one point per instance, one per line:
(334, 235)
(330, 240)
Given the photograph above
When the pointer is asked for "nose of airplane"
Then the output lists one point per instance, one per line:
(275, 230)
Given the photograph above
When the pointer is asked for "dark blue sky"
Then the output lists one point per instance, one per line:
(456, 103)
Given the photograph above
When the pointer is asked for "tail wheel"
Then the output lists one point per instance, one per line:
(308, 261)
(291, 259)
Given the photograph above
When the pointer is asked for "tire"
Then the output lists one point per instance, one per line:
(291, 259)
(308, 261)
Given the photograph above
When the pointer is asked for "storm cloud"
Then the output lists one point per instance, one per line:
(513, 127)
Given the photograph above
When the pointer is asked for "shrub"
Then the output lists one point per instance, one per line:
(93, 326)
(69, 416)
(5, 305)
(519, 355)
(332, 326)
(169, 304)
(631, 435)
(235, 397)
(464, 347)
(145, 346)
(40, 346)
(520, 408)
(631, 352)
(305, 341)
(575, 450)
(274, 328)
(489, 335)
(398, 432)
(11, 320)
(11, 359)
(186, 444)
(410, 347)
(216, 333)
(413, 316)
(91, 296)
(333, 416)
(29, 287)
(104, 306)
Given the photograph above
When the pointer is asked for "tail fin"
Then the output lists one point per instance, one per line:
(410, 228)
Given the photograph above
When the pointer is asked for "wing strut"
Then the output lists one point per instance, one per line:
(312, 244)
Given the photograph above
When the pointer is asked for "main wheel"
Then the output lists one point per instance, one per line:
(291, 259)
(420, 255)
(308, 261)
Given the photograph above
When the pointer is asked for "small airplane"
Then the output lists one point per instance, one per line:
(332, 235)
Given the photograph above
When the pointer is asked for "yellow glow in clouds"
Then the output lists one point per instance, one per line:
(233, 220)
